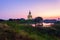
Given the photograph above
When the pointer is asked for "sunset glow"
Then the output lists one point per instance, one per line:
(20, 8)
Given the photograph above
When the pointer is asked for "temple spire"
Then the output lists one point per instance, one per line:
(29, 15)
(29, 12)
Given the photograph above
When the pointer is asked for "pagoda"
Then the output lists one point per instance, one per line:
(29, 16)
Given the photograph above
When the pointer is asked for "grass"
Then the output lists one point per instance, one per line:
(29, 31)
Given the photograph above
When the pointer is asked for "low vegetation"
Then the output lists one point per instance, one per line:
(10, 30)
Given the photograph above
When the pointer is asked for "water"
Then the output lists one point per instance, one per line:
(45, 24)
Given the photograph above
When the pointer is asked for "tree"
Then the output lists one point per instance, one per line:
(2, 20)
(38, 21)
(22, 20)
(11, 20)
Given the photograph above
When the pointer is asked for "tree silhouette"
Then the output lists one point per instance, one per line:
(38, 21)
(2, 20)
(11, 20)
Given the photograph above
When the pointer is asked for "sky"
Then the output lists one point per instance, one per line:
(20, 8)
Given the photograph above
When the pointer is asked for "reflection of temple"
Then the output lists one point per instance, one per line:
(29, 16)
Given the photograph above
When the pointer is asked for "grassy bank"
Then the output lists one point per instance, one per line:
(27, 32)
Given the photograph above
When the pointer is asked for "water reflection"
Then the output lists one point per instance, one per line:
(45, 24)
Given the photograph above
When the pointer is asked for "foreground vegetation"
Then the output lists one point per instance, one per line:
(10, 30)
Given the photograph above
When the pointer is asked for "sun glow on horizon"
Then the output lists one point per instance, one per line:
(20, 9)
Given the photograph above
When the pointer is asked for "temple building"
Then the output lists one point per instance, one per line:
(29, 16)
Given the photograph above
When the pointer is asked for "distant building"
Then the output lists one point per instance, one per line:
(29, 16)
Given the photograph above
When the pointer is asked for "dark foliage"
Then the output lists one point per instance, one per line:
(2, 20)
(38, 19)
